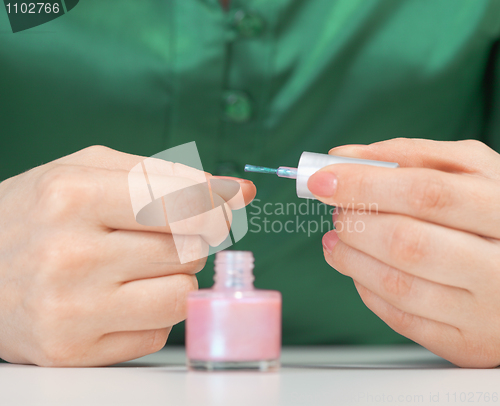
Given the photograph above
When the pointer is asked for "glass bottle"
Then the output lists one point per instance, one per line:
(233, 325)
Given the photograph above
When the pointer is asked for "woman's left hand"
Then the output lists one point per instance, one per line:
(422, 242)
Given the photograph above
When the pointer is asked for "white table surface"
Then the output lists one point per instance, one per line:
(397, 375)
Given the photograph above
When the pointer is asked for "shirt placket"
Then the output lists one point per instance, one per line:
(197, 66)
(247, 84)
(220, 80)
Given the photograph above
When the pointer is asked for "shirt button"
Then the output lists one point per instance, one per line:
(228, 169)
(237, 106)
(248, 24)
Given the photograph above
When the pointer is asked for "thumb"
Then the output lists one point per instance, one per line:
(468, 156)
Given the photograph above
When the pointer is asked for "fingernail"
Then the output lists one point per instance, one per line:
(323, 184)
(346, 149)
(330, 239)
(239, 180)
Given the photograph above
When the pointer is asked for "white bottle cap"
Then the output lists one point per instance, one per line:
(311, 162)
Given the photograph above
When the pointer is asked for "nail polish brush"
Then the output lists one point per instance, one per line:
(309, 163)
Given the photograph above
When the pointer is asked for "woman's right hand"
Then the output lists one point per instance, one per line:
(82, 283)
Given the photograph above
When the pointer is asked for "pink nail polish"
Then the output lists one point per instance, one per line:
(233, 325)
(239, 180)
(330, 240)
(323, 184)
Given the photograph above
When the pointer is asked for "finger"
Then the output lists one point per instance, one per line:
(468, 156)
(426, 194)
(197, 210)
(153, 172)
(438, 254)
(247, 188)
(231, 189)
(98, 156)
(406, 292)
(148, 304)
(121, 346)
(108, 198)
(440, 338)
(433, 335)
(205, 201)
(132, 255)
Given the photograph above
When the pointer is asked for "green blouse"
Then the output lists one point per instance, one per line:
(257, 84)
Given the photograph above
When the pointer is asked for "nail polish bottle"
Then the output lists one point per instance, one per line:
(233, 325)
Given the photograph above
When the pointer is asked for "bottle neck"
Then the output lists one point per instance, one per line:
(233, 270)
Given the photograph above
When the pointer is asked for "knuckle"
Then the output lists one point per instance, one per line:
(53, 257)
(96, 151)
(46, 327)
(189, 205)
(396, 283)
(192, 225)
(474, 145)
(56, 353)
(178, 169)
(196, 265)
(198, 199)
(52, 300)
(191, 248)
(403, 142)
(341, 259)
(49, 310)
(477, 353)
(50, 356)
(53, 317)
(158, 340)
(400, 141)
(62, 189)
(406, 243)
(58, 259)
(185, 284)
(401, 320)
(397, 319)
(362, 185)
(428, 196)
